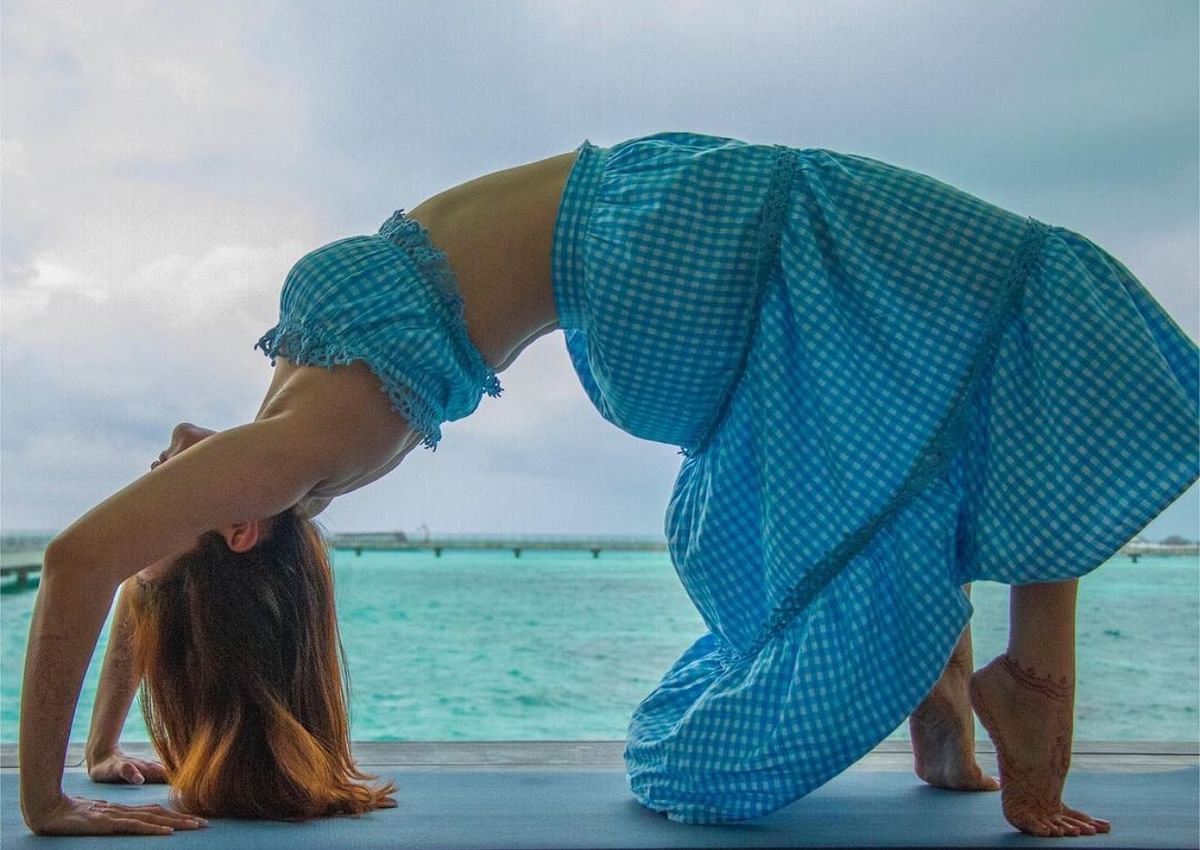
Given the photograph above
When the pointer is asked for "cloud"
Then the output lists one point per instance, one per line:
(106, 371)
(165, 163)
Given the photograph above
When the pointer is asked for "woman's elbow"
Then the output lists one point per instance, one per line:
(58, 556)
(65, 558)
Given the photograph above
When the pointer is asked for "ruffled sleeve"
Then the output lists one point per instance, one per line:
(389, 300)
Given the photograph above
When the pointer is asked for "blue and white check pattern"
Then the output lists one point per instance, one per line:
(644, 213)
(391, 301)
(918, 390)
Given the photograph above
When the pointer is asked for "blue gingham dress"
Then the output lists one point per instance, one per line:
(883, 388)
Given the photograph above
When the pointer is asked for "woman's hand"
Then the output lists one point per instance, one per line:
(80, 816)
(115, 766)
(184, 436)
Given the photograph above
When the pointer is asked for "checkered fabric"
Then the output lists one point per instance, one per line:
(391, 301)
(883, 388)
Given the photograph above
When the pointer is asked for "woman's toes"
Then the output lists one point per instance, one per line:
(1079, 827)
(1058, 826)
(1047, 829)
(1099, 824)
(1085, 824)
(982, 782)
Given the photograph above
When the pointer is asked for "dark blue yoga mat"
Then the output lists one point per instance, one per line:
(467, 809)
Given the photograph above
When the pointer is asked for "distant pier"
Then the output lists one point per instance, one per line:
(1136, 550)
(517, 543)
(21, 555)
(22, 565)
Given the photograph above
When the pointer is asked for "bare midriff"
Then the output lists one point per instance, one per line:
(497, 233)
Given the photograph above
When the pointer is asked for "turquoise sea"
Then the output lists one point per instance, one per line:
(485, 646)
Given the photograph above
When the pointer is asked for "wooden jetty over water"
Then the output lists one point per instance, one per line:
(21, 563)
(515, 543)
(22, 556)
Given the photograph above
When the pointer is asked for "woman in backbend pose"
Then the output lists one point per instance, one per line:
(884, 388)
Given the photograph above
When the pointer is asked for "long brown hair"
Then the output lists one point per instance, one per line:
(244, 688)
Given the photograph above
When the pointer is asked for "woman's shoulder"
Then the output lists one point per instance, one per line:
(345, 405)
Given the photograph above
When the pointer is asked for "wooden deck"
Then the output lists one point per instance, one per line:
(1113, 757)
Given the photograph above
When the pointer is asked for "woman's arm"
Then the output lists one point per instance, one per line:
(249, 472)
(119, 679)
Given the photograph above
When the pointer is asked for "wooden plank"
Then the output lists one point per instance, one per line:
(598, 755)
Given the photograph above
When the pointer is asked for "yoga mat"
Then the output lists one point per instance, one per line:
(468, 809)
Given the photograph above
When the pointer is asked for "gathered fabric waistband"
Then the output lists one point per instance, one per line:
(567, 263)
(579, 195)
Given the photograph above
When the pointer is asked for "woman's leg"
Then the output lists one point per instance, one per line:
(1025, 699)
(942, 727)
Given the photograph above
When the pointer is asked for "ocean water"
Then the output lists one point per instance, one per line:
(553, 646)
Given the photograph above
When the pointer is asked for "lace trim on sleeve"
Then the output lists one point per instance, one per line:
(305, 345)
(414, 240)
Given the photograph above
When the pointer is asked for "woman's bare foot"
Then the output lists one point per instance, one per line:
(1029, 718)
(942, 729)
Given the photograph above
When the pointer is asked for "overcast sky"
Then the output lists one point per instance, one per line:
(164, 164)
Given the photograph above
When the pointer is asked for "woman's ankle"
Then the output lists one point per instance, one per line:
(1057, 685)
